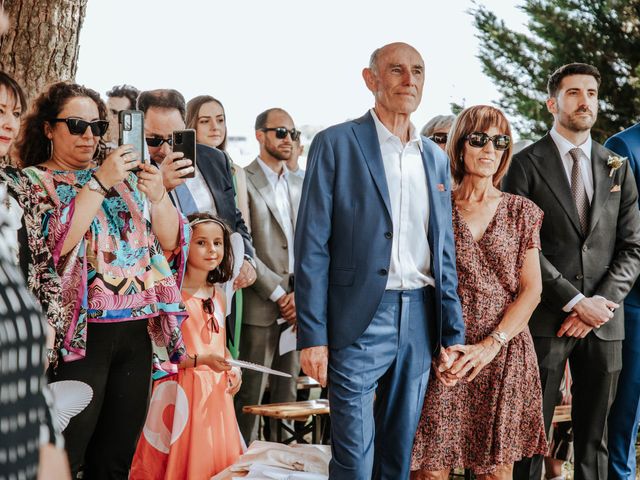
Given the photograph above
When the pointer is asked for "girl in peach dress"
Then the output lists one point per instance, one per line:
(191, 429)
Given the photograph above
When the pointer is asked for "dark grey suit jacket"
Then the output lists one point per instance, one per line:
(604, 262)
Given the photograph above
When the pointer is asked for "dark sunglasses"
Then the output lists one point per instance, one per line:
(208, 307)
(440, 138)
(282, 132)
(158, 141)
(77, 126)
(480, 139)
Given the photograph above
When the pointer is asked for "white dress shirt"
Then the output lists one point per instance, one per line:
(280, 185)
(564, 146)
(201, 193)
(410, 266)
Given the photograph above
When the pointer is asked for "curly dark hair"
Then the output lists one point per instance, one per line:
(33, 145)
(224, 271)
(125, 91)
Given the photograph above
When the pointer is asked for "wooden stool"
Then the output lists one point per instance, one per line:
(296, 411)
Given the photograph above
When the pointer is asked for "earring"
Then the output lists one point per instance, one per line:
(461, 158)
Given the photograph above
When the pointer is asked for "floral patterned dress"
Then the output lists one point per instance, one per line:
(495, 419)
(117, 272)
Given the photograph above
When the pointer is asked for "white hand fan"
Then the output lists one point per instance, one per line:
(70, 397)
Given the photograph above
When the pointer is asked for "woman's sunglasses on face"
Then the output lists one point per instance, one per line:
(480, 139)
(439, 138)
(78, 126)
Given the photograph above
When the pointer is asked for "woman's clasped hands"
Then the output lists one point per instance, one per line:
(465, 362)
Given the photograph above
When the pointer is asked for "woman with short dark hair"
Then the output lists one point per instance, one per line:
(486, 412)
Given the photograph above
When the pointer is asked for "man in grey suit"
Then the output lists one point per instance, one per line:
(590, 259)
(274, 196)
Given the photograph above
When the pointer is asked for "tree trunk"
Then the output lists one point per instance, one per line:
(41, 46)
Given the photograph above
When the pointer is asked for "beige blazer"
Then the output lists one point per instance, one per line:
(270, 243)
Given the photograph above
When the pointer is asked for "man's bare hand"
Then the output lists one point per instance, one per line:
(287, 304)
(595, 311)
(574, 327)
(246, 277)
(173, 170)
(314, 361)
(443, 363)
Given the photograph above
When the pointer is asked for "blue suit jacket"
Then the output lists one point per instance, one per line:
(627, 144)
(343, 241)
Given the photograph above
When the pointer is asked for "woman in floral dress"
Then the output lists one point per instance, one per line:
(95, 236)
(485, 413)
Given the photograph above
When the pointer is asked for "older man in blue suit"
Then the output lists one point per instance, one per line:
(375, 271)
(625, 411)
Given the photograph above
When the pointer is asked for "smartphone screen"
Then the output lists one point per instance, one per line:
(131, 131)
(185, 141)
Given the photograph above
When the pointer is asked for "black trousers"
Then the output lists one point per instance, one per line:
(595, 366)
(101, 440)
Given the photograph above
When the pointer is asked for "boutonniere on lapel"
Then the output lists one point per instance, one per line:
(441, 187)
(615, 162)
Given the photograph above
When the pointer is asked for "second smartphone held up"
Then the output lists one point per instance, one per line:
(185, 141)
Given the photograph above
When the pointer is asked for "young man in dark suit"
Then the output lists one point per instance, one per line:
(590, 259)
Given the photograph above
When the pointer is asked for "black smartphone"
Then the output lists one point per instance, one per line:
(131, 131)
(185, 141)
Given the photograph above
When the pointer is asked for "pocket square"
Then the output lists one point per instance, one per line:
(442, 189)
(615, 188)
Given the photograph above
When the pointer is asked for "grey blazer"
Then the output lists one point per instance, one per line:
(270, 244)
(604, 262)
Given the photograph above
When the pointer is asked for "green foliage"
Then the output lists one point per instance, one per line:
(603, 33)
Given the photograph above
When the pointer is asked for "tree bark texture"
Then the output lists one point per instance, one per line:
(41, 46)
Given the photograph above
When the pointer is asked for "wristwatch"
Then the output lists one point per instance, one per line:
(499, 337)
(95, 186)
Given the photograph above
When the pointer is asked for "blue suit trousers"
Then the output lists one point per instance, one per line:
(377, 386)
(625, 411)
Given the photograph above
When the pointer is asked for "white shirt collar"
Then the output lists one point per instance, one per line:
(565, 145)
(384, 134)
(272, 176)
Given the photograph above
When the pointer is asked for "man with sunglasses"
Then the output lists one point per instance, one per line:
(210, 191)
(375, 271)
(273, 198)
(590, 259)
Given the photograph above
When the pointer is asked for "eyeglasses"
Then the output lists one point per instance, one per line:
(439, 138)
(158, 141)
(281, 133)
(77, 126)
(209, 309)
(480, 139)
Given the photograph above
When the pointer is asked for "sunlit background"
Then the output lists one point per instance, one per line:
(303, 56)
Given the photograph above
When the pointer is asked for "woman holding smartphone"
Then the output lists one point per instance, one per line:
(96, 264)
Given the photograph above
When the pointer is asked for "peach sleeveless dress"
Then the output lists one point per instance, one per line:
(191, 429)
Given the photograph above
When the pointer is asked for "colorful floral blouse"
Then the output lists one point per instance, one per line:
(116, 273)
